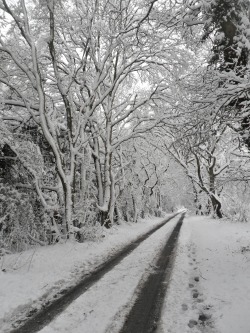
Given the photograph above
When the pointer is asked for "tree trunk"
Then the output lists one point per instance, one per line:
(216, 204)
(105, 219)
(135, 217)
(216, 207)
(68, 210)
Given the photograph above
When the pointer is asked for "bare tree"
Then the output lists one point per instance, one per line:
(67, 65)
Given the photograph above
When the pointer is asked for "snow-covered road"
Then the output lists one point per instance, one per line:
(31, 278)
(104, 306)
(209, 289)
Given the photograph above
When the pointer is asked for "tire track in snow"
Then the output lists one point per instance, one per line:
(42, 318)
(145, 313)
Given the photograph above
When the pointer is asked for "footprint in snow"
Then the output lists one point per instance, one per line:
(192, 323)
(184, 307)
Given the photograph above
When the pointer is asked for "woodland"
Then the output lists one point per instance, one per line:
(115, 110)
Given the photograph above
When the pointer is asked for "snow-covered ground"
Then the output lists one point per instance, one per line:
(29, 279)
(209, 289)
(210, 284)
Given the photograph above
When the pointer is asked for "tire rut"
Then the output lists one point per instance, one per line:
(42, 318)
(145, 313)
